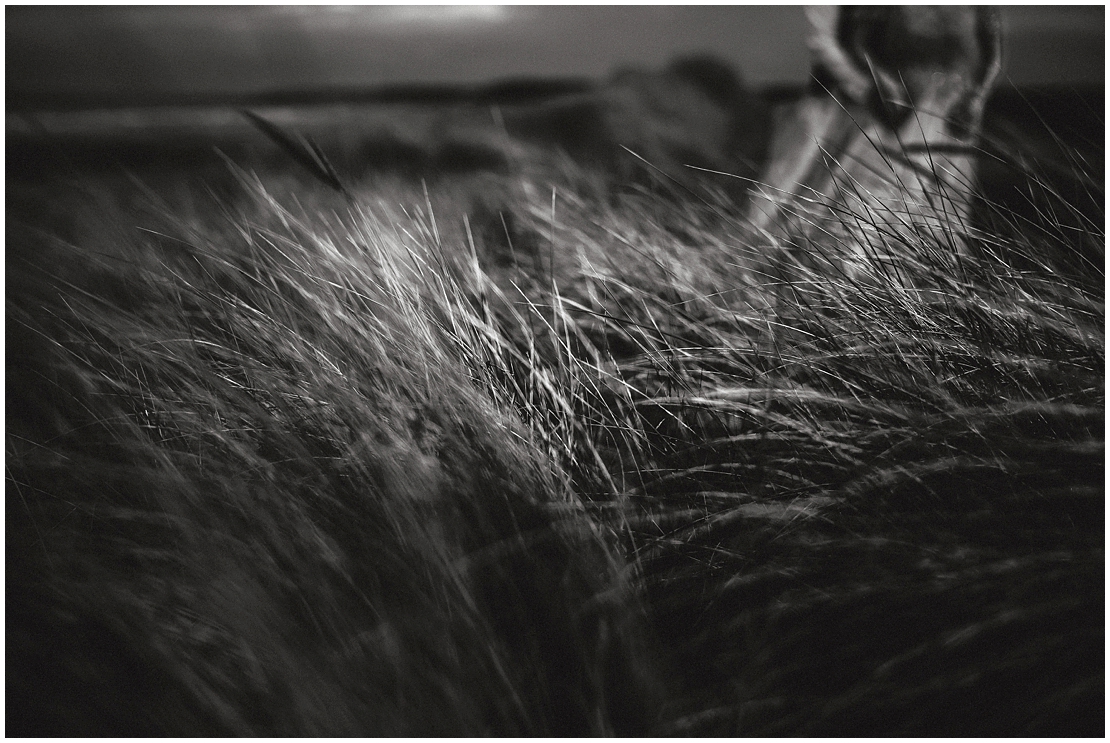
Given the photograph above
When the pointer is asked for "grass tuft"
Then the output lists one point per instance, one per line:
(526, 455)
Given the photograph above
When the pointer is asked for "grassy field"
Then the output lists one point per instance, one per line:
(527, 452)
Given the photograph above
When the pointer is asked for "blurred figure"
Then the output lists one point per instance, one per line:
(884, 141)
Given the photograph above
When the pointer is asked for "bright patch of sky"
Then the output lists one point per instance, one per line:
(403, 17)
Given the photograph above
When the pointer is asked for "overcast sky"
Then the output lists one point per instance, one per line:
(241, 49)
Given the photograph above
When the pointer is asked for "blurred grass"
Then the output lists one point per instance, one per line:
(526, 454)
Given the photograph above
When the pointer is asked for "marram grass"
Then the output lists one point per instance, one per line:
(521, 455)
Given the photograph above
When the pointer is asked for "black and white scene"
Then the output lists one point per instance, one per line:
(555, 371)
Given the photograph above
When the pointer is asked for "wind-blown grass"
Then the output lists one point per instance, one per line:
(519, 455)
(275, 450)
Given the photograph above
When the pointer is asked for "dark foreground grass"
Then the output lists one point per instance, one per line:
(519, 455)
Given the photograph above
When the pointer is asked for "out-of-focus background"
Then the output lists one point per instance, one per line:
(92, 56)
(160, 89)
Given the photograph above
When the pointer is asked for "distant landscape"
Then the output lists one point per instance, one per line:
(138, 55)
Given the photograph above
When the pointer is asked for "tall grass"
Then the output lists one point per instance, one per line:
(518, 455)
(272, 465)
